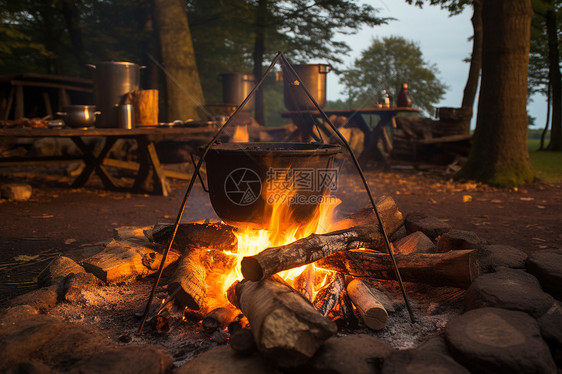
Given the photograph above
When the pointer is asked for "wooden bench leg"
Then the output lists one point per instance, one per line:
(148, 161)
(93, 163)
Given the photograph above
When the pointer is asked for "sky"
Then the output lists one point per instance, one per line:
(443, 40)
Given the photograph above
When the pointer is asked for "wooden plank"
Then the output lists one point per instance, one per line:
(446, 139)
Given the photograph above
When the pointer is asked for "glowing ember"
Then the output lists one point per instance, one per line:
(241, 134)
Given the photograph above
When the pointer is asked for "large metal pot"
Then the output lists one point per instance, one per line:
(313, 76)
(78, 116)
(112, 81)
(236, 87)
(247, 179)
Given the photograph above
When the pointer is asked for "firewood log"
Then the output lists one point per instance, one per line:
(219, 318)
(304, 283)
(454, 268)
(188, 281)
(329, 295)
(387, 209)
(242, 341)
(347, 312)
(371, 310)
(285, 326)
(196, 235)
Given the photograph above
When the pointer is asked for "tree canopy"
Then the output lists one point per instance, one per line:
(385, 65)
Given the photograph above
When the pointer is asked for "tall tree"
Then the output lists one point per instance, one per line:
(499, 153)
(385, 65)
(554, 76)
(183, 88)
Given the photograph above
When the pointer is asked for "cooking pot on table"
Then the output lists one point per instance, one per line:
(79, 115)
(245, 180)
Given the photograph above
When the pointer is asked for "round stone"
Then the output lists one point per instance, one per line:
(547, 267)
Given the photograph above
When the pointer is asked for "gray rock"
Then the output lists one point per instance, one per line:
(493, 340)
(59, 267)
(456, 240)
(492, 257)
(129, 359)
(436, 344)
(30, 367)
(224, 360)
(509, 289)
(42, 299)
(356, 354)
(550, 325)
(547, 267)
(429, 225)
(76, 283)
(16, 191)
(416, 242)
(416, 361)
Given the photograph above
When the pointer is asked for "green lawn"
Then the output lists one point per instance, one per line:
(546, 165)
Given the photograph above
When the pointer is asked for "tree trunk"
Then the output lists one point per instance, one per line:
(183, 88)
(546, 123)
(72, 20)
(259, 49)
(499, 154)
(555, 80)
(471, 86)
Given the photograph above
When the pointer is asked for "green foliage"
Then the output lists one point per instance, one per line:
(386, 64)
(546, 165)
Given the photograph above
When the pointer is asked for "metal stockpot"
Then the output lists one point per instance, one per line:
(236, 87)
(313, 76)
(112, 81)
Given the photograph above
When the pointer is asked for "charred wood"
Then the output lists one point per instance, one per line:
(329, 295)
(188, 281)
(304, 283)
(371, 310)
(196, 235)
(285, 326)
(387, 209)
(454, 268)
(219, 318)
(242, 341)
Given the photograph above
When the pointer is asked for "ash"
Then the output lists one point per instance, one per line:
(115, 311)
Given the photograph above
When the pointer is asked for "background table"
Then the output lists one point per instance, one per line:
(96, 163)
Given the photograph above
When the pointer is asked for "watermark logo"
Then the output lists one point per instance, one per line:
(242, 186)
(318, 180)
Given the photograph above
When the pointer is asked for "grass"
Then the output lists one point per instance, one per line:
(546, 165)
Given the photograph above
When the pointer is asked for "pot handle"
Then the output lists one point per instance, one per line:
(324, 69)
(91, 66)
(198, 173)
(61, 113)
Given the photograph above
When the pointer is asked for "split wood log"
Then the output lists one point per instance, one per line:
(285, 326)
(196, 235)
(371, 310)
(242, 341)
(167, 320)
(188, 281)
(304, 283)
(347, 311)
(219, 318)
(387, 209)
(122, 261)
(329, 295)
(316, 246)
(453, 269)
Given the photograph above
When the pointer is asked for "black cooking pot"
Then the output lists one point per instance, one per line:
(246, 180)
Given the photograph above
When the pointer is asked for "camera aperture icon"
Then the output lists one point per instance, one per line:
(242, 186)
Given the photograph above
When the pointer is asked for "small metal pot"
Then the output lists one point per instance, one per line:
(79, 115)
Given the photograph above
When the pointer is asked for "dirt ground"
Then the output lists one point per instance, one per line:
(58, 220)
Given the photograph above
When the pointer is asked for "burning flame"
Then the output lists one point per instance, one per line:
(253, 241)
(241, 134)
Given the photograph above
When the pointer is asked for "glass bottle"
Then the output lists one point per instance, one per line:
(404, 99)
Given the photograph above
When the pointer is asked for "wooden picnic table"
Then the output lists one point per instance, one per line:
(373, 130)
(145, 137)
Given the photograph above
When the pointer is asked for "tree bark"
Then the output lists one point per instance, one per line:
(454, 268)
(178, 58)
(555, 79)
(71, 15)
(471, 86)
(499, 154)
(259, 49)
(286, 327)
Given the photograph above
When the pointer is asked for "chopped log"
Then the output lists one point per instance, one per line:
(167, 320)
(454, 268)
(286, 327)
(123, 261)
(196, 235)
(240, 321)
(145, 107)
(242, 341)
(371, 310)
(188, 281)
(347, 311)
(304, 283)
(387, 209)
(219, 318)
(314, 247)
(329, 295)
